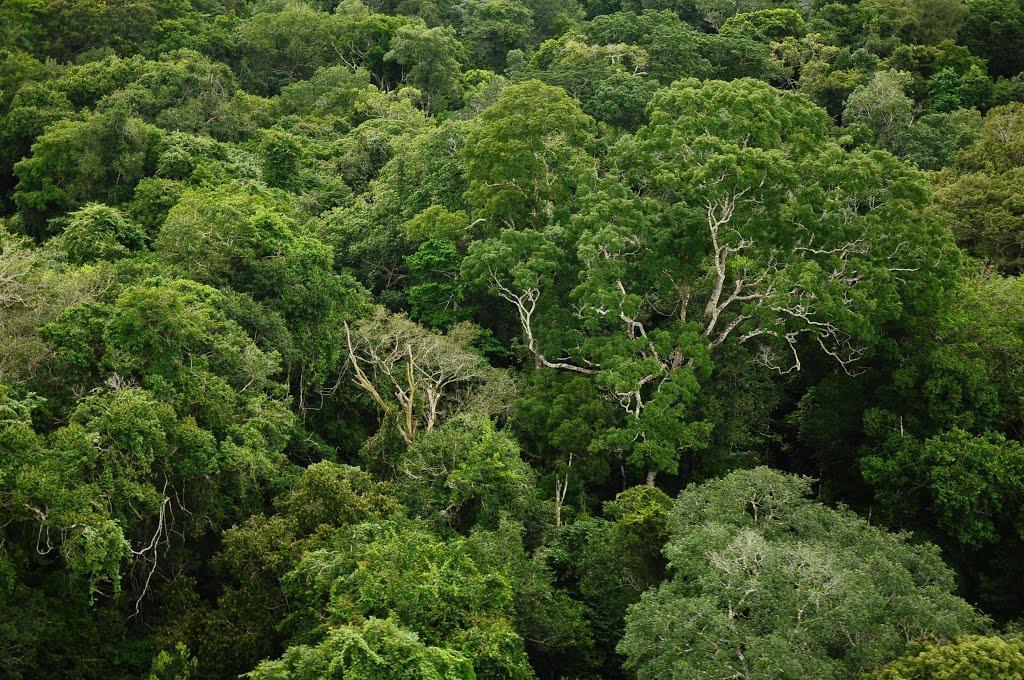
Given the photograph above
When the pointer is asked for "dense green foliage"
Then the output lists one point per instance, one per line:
(511, 339)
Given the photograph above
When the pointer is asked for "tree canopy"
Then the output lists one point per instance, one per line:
(512, 339)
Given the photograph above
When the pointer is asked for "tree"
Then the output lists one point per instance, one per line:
(609, 80)
(552, 18)
(259, 250)
(100, 158)
(935, 140)
(491, 28)
(974, 371)
(1000, 142)
(99, 232)
(136, 476)
(910, 21)
(33, 107)
(434, 291)
(672, 46)
(526, 157)
(557, 417)
(970, 656)
(987, 215)
(767, 583)
(418, 378)
(375, 649)
(766, 25)
(980, 192)
(993, 29)
(285, 46)
(949, 90)
(280, 154)
(245, 625)
(431, 61)
(612, 561)
(438, 589)
(717, 12)
(466, 474)
(881, 108)
(972, 484)
(367, 338)
(775, 262)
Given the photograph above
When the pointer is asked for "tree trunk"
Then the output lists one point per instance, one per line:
(558, 504)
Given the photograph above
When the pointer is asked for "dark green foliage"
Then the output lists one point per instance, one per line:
(374, 338)
(100, 158)
(993, 29)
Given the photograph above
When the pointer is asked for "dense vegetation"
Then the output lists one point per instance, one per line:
(454, 339)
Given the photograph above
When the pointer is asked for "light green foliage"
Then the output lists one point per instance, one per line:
(152, 199)
(881, 108)
(99, 232)
(334, 495)
(173, 336)
(173, 665)
(279, 159)
(466, 474)
(242, 257)
(433, 587)
(965, 658)
(135, 454)
(290, 44)
(437, 223)
(987, 214)
(718, 12)
(766, 25)
(375, 650)
(332, 92)
(1000, 142)
(981, 194)
(526, 157)
(771, 584)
